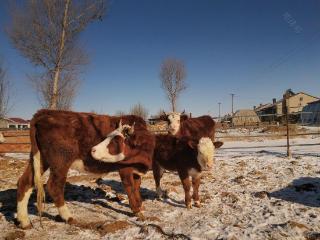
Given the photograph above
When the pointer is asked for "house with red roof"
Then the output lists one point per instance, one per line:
(14, 123)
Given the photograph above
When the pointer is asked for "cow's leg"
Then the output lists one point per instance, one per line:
(55, 186)
(137, 184)
(127, 179)
(184, 176)
(157, 174)
(24, 191)
(195, 187)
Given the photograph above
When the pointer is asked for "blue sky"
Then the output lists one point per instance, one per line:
(255, 49)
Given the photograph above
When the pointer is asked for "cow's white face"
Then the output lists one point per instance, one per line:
(206, 151)
(174, 122)
(112, 149)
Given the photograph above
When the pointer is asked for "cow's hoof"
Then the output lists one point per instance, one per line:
(188, 205)
(23, 225)
(162, 194)
(197, 204)
(71, 221)
(142, 208)
(140, 216)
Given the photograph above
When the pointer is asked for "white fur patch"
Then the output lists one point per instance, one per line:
(194, 173)
(2, 139)
(174, 122)
(101, 152)
(64, 212)
(78, 165)
(22, 209)
(206, 152)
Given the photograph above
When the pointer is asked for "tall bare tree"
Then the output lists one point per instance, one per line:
(139, 110)
(46, 32)
(4, 92)
(172, 76)
(120, 113)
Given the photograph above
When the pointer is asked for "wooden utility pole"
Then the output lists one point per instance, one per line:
(232, 95)
(219, 111)
(285, 103)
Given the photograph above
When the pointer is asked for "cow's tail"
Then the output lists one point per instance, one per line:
(37, 169)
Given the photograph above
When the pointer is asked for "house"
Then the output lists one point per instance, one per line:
(311, 113)
(299, 100)
(14, 123)
(295, 102)
(269, 112)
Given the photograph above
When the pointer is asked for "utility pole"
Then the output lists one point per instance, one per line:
(285, 106)
(232, 95)
(219, 111)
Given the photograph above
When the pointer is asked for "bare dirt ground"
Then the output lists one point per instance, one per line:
(250, 194)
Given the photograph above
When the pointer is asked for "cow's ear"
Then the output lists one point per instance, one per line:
(193, 144)
(163, 117)
(183, 117)
(127, 130)
(217, 144)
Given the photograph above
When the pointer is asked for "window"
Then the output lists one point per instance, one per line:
(301, 99)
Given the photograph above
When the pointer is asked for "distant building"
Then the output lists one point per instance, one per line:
(14, 123)
(299, 100)
(311, 113)
(273, 111)
(245, 117)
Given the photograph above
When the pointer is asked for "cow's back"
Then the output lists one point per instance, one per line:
(71, 135)
(203, 126)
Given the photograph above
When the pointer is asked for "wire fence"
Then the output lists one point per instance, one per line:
(18, 141)
(249, 118)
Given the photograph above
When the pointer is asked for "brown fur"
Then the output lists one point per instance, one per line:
(177, 154)
(64, 136)
(198, 127)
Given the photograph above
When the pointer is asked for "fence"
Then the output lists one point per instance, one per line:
(17, 141)
(303, 118)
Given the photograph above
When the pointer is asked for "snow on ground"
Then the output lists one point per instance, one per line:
(310, 128)
(252, 193)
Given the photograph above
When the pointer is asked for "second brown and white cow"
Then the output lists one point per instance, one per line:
(61, 140)
(188, 156)
(180, 124)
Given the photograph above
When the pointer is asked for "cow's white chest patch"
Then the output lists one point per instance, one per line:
(194, 173)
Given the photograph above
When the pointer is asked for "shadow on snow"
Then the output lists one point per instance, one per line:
(304, 190)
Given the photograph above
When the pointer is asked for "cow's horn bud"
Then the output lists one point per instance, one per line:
(131, 129)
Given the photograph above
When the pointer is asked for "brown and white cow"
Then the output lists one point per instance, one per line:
(63, 139)
(188, 156)
(181, 125)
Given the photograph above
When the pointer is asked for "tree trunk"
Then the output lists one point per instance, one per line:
(173, 105)
(54, 95)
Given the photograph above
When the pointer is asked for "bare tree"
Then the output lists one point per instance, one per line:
(46, 32)
(139, 110)
(172, 75)
(120, 113)
(67, 90)
(4, 92)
